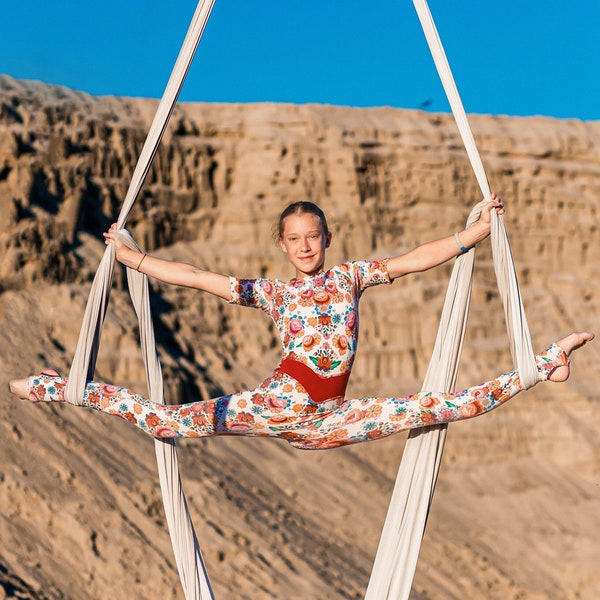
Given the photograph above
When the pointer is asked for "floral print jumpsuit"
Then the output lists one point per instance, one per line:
(317, 320)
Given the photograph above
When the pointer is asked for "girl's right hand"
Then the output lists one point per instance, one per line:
(111, 238)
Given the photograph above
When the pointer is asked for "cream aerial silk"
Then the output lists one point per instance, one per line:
(399, 546)
(188, 556)
(403, 530)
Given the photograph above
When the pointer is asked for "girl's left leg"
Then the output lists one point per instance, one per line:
(366, 419)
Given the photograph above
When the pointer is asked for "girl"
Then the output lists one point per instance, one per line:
(316, 314)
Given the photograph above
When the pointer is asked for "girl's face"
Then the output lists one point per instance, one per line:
(304, 241)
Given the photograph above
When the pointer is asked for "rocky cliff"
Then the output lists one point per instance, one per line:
(516, 513)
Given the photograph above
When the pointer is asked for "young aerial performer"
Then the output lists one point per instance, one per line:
(316, 314)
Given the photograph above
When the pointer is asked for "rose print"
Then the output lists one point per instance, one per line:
(478, 394)
(164, 432)
(305, 298)
(321, 297)
(341, 343)
(267, 287)
(471, 409)
(354, 416)
(197, 407)
(308, 342)
(295, 326)
(322, 444)
(276, 403)
(428, 402)
(243, 422)
(237, 426)
(351, 320)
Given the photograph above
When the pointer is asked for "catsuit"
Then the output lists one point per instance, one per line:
(302, 401)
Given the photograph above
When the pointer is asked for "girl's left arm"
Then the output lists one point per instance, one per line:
(432, 254)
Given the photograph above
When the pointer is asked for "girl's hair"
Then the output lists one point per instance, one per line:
(299, 208)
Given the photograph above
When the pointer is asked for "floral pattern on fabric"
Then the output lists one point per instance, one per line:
(316, 316)
(281, 408)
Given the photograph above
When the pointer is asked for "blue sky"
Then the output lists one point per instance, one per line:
(516, 57)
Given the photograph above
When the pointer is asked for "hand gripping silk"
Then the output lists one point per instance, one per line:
(188, 556)
(403, 530)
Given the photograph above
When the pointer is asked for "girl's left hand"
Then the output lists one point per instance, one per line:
(496, 204)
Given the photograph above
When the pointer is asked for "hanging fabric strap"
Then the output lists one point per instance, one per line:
(190, 563)
(403, 530)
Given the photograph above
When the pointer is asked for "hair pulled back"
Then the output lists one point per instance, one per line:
(299, 208)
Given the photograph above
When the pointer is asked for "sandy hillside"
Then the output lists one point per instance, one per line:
(517, 509)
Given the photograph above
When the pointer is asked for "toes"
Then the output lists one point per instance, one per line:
(575, 341)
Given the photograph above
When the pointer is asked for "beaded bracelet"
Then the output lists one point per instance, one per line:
(459, 244)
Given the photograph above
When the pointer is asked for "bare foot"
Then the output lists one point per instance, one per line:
(19, 386)
(568, 344)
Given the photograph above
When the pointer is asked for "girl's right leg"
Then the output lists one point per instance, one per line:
(196, 419)
(272, 409)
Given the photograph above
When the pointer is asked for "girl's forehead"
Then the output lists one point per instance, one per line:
(301, 221)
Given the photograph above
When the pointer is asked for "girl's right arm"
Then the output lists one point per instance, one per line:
(172, 272)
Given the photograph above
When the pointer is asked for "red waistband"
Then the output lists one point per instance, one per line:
(319, 388)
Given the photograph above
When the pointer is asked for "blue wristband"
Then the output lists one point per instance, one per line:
(458, 243)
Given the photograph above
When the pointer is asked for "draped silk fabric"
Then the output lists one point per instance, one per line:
(398, 550)
(190, 563)
(403, 530)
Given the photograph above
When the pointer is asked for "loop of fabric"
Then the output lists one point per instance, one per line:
(190, 563)
(397, 554)
(403, 530)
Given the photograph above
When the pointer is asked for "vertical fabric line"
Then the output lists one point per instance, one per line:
(190, 563)
(398, 550)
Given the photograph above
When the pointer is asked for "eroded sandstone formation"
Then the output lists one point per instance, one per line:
(79, 505)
